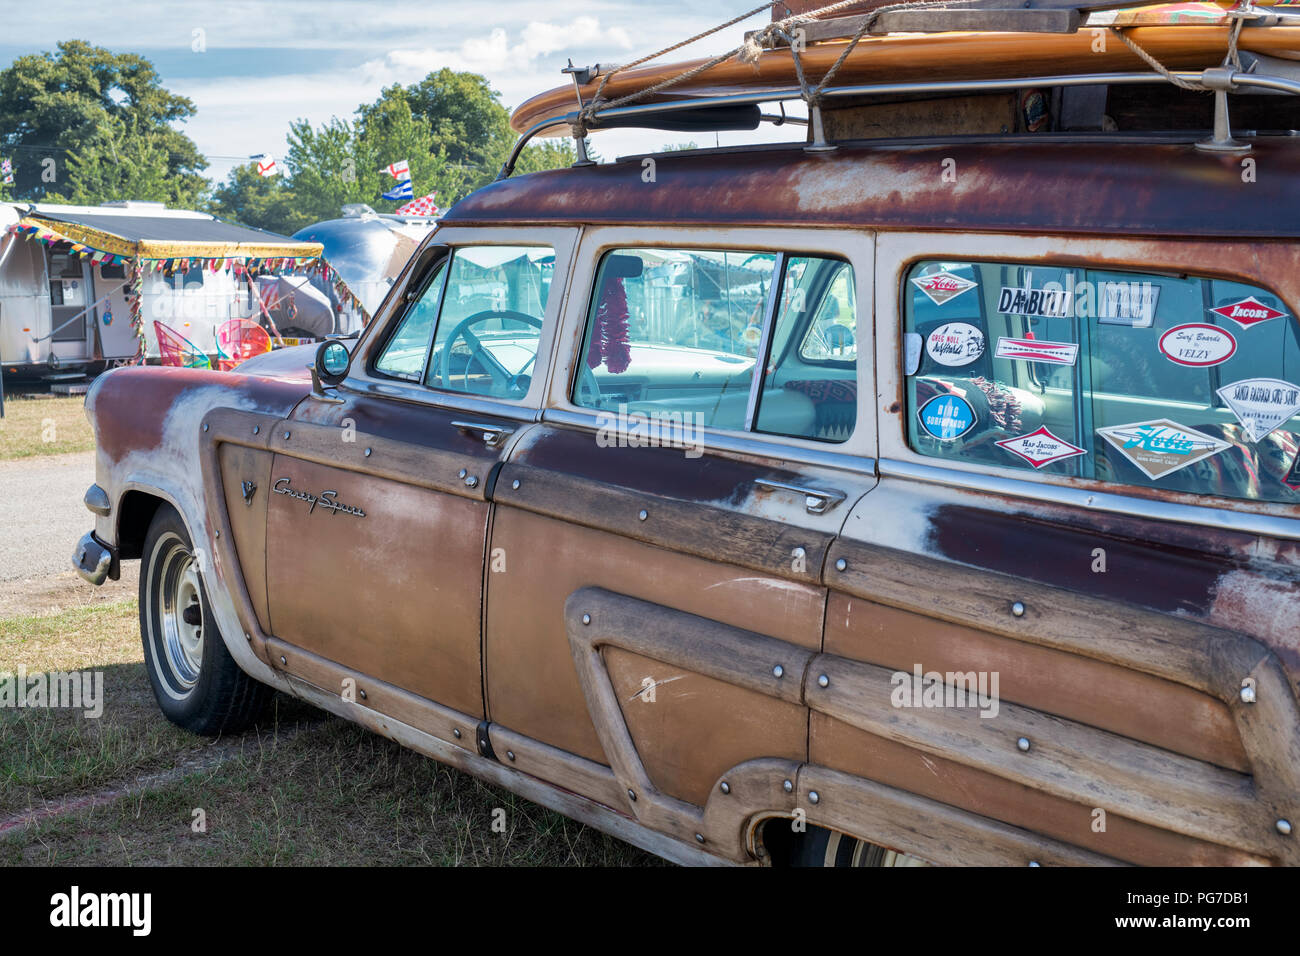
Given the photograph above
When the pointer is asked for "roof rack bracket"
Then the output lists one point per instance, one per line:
(1221, 80)
(817, 142)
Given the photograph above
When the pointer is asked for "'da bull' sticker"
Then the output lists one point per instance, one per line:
(1040, 447)
(1261, 404)
(1161, 447)
(955, 343)
(947, 417)
(1040, 303)
(943, 287)
(1197, 345)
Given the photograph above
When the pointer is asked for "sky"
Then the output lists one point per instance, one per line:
(253, 67)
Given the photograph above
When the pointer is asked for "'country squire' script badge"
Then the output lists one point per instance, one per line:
(325, 499)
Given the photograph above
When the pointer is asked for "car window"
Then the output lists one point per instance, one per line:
(673, 335)
(407, 351)
(490, 322)
(818, 303)
(1178, 382)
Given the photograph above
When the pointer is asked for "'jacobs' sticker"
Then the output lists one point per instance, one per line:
(1036, 350)
(1249, 311)
(943, 286)
(1161, 447)
(1040, 447)
(1198, 345)
(1261, 404)
(947, 417)
(1042, 303)
(955, 343)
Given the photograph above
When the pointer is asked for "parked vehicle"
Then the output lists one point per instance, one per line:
(68, 303)
(795, 503)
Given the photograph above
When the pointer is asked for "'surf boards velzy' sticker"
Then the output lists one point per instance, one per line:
(1249, 311)
(1040, 447)
(1043, 303)
(942, 286)
(947, 417)
(1198, 345)
(1161, 447)
(1261, 404)
(955, 343)
(1036, 350)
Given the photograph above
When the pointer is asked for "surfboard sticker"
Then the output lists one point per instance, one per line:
(943, 287)
(1161, 447)
(1038, 350)
(1261, 404)
(955, 343)
(1040, 447)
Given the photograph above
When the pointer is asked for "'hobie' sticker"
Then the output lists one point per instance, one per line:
(1161, 447)
(943, 286)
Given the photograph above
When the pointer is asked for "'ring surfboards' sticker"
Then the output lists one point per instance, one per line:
(946, 417)
(1161, 447)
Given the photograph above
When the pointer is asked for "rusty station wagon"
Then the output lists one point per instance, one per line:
(995, 561)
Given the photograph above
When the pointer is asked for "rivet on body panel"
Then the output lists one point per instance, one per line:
(642, 515)
(631, 795)
(205, 426)
(363, 694)
(823, 681)
(368, 452)
(586, 619)
(778, 671)
(471, 481)
(248, 637)
(1018, 609)
(1248, 691)
(455, 732)
(1284, 827)
(1022, 744)
(787, 786)
(725, 787)
(510, 754)
(462, 473)
(216, 534)
(282, 660)
(286, 436)
(814, 796)
(515, 484)
(257, 429)
(841, 565)
(699, 838)
(1034, 863)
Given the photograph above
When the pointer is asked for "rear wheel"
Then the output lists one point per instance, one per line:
(196, 682)
(819, 847)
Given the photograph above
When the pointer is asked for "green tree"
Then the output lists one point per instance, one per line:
(82, 104)
(122, 162)
(467, 119)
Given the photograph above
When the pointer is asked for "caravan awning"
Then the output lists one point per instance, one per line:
(148, 237)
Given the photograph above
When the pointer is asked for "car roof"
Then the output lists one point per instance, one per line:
(1150, 184)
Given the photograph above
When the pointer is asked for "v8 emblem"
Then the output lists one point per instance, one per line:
(249, 489)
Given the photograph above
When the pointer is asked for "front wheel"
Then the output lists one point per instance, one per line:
(196, 682)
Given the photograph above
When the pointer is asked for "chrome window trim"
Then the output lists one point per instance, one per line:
(761, 357)
(413, 393)
(1246, 522)
(718, 440)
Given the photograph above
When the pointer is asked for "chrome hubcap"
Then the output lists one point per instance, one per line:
(182, 617)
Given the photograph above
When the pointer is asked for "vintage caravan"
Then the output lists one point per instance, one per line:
(82, 286)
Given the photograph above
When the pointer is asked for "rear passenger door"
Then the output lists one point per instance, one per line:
(660, 538)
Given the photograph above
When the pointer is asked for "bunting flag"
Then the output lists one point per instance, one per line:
(398, 171)
(7, 171)
(424, 206)
(403, 190)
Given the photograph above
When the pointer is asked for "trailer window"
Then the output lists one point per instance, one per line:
(1174, 382)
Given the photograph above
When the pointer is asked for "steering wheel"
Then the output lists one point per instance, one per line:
(501, 376)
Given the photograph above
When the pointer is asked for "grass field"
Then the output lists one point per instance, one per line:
(44, 425)
(302, 788)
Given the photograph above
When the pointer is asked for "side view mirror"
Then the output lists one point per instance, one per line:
(332, 359)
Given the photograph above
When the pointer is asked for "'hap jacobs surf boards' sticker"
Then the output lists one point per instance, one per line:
(1247, 312)
(955, 343)
(946, 417)
(1261, 404)
(1040, 447)
(1197, 345)
(1161, 447)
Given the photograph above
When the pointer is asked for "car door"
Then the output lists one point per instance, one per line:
(377, 498)
(660, 537)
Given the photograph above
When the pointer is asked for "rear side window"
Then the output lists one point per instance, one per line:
(1176, 382)
(676, 336)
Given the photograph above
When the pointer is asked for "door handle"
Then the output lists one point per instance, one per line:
(816, 501)
(493, 435)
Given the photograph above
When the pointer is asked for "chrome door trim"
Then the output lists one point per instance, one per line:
(414, 394)
(1274, 526)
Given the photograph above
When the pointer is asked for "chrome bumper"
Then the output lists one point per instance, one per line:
(94, 560)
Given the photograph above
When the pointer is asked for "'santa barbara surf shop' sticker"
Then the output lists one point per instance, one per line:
(956, 343)
(1036, 350)
(942, 286)
(1161, 447)
(1040, 447)
(1042, 303)
(947, 417)
(1198, 345)
(1261, 404)
(1249, 311)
